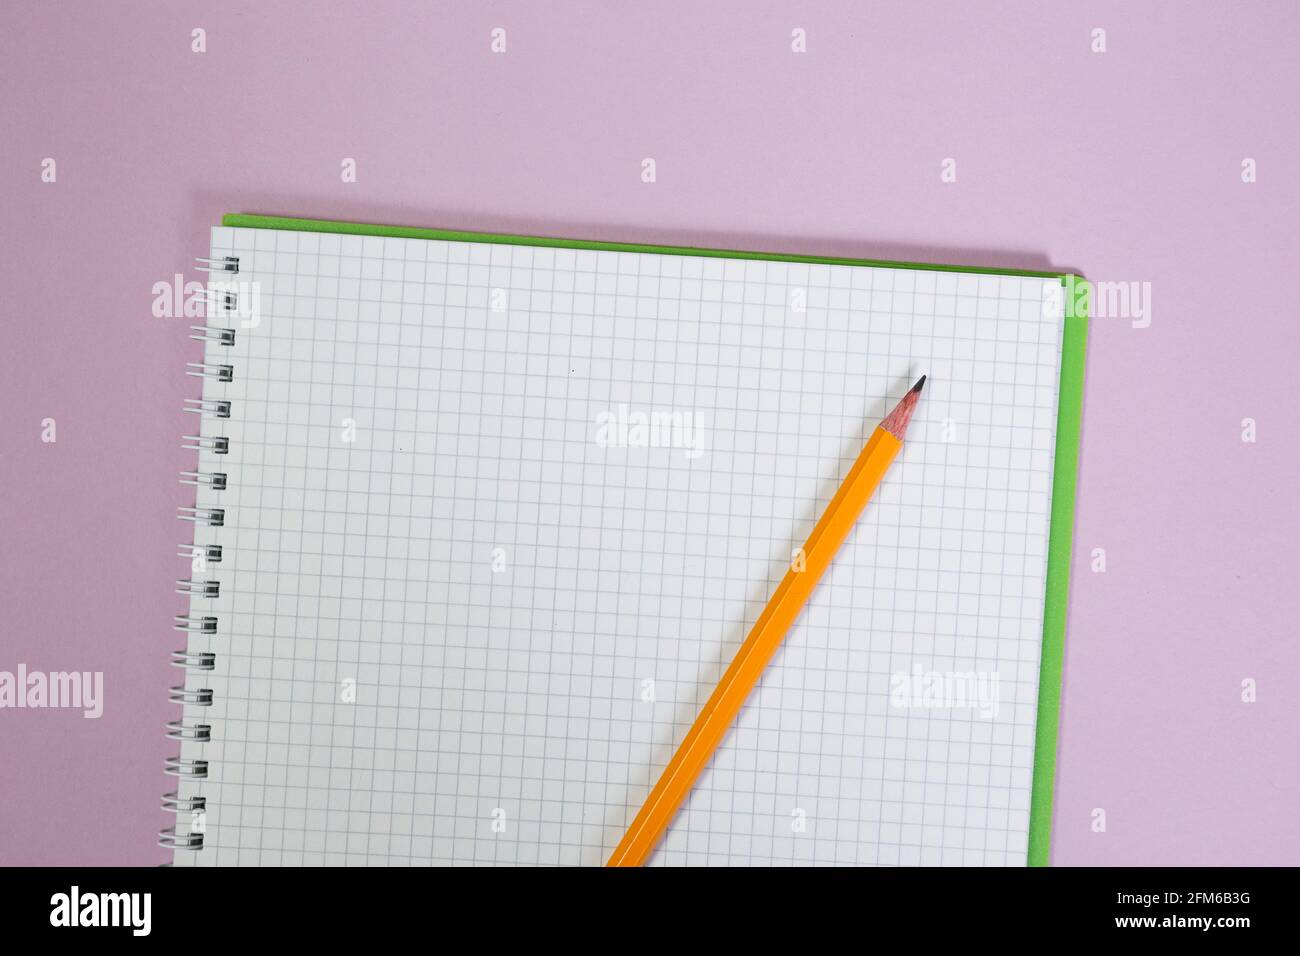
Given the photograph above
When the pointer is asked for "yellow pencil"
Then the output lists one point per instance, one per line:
(769, 631)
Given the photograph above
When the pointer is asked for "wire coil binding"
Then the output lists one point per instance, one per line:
(194, 660)
(185, 767)
(209, 479)
(179, 730)
(196, 624)
(224, 264)
(206, 333)
(169, 838)
(208, 408)
(204, 552)
(200, 697)
(212, 517)
(217, 444)
(222, 373)
(207, 589)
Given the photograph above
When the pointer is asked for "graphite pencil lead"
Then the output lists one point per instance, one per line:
(896, 421)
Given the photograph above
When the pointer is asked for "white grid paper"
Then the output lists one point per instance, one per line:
(520, 691)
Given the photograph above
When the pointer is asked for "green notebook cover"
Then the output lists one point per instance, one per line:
(1069, 420)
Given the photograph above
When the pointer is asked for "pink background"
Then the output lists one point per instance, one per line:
(1124, 165)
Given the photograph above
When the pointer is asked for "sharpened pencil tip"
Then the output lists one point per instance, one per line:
(896, 421)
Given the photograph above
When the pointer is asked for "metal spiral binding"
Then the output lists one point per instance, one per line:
(179, 730)
(224, 264)
(208, 552)
(208, 408)
(195, 623)
(225, 299)
(222, 373)
(199, 588)
(194, 660)
(206, 333)
(212, 517)
(176, 803)
(168, 837)
(219, 445)
(207, 589)
(185, 767)
(199, 697)
(209, 479)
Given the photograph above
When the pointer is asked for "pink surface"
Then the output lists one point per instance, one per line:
(1124, 165)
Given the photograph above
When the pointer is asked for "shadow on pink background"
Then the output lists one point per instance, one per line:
(1124, 166)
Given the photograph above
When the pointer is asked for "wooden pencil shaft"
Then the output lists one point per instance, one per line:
(785, 606)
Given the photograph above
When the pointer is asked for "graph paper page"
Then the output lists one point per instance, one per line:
(499, 516)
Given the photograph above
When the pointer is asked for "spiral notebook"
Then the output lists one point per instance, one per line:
(479, 520)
